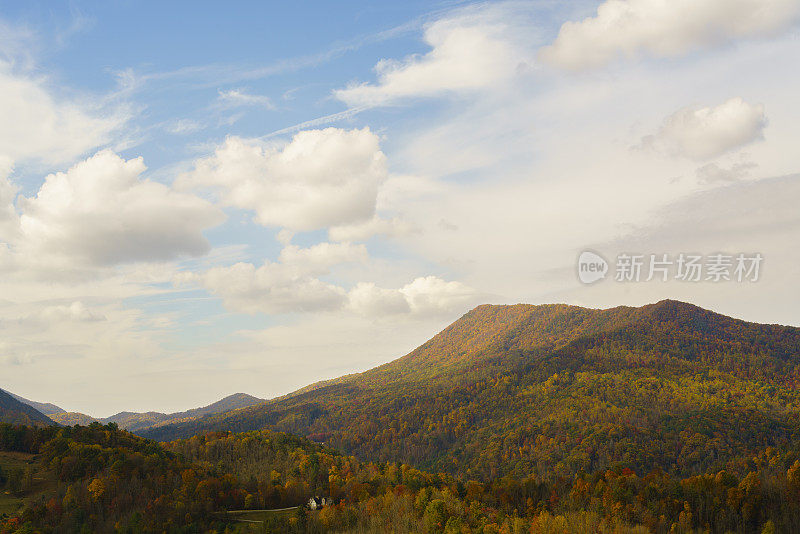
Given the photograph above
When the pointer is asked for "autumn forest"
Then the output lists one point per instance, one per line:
(664, 418)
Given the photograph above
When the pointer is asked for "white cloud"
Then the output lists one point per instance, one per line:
(424, 296)
(8, 192)
(702, 133)
(289, 285)
(321, 178)
(293, 284)
(271, 288)
(664, 28)
(36, 125)
(238, 98)
(432, 295)
(470, 52)
(100, 212)
(372, 301)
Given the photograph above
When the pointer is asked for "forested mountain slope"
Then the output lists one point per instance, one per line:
(46, 408)
(557, 389)
(15, 412)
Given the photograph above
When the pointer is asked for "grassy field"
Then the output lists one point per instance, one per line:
(17, 464)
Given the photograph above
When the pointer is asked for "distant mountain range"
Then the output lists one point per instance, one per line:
(16, 412)
(520, 390)
(136, 422)
(19, 410)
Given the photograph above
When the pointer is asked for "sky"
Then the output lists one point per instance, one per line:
(200, 199)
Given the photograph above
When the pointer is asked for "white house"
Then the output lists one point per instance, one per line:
(315, 503)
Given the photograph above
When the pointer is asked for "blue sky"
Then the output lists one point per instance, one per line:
(196, 201)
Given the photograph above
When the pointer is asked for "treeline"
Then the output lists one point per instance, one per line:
(112, 481)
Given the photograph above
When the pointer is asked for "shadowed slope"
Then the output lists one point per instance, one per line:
(15, 412)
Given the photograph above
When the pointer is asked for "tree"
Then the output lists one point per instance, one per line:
(97, 489)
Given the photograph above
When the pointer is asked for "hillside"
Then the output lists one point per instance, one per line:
(521, 390)
(15, 412)
(137, 421)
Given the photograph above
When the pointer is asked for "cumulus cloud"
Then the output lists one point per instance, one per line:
(702, 133)
(368, 299)
(38, 126)
(291, 284)
(469, 52)
(294, 284)
(664, 28)
(271, 288)
(432, 295)
(100, 212)
(424, 296)
(321, 178)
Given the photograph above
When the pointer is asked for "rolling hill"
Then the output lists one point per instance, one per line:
(555, 389)
(15, 412)
(137, 421)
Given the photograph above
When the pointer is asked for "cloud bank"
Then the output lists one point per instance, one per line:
(664, 28)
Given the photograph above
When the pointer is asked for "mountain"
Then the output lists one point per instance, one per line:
(15, 412)
(73, 418)
(135, 421)
(44, 407)
(549, 419)
(556, 389)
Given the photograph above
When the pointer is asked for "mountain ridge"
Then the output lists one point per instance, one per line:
(17, 412)
(517, 380)
(138, 421)
(46, 408)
